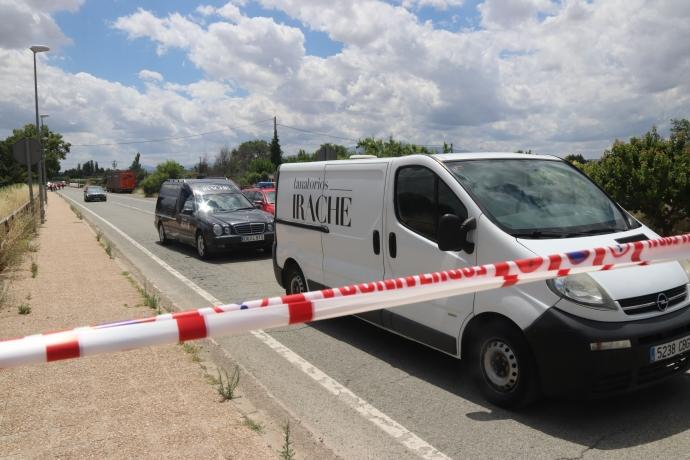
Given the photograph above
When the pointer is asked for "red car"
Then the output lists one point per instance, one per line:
(264, 197)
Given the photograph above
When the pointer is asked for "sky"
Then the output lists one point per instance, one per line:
(180, 79)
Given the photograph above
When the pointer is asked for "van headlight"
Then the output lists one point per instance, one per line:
(582, 289)
(217, 230)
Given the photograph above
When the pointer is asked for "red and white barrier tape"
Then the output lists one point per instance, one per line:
(329, 303)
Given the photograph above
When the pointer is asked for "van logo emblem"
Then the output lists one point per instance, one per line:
(661, 302)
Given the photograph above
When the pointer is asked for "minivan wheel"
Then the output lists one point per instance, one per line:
(295, 282)
(162, 238)
(504, 366)
(201, 248)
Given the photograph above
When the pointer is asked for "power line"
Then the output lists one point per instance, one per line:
(165, 139)
(318, 133)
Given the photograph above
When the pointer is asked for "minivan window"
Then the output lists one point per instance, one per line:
(422, 199)
(539, 198)
(223, 202)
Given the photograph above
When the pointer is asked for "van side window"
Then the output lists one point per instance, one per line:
(421, 198)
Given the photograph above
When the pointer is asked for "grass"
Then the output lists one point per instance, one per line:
(193, 350)
(99, 235)
(287, 452)
(257, 427)
(34, 269)
(76, 211)
(151, 300)
(16, 241)
(24, 309)
(12, 197)
(226, 389)
(108, 248)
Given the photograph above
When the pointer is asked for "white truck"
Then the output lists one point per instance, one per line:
(353, 221)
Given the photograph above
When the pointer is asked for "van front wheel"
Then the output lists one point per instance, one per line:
(295, 282)
(504, 366)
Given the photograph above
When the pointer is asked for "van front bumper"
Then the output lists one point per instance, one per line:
(568, 366)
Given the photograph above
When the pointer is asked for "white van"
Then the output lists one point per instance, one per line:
(353, 221)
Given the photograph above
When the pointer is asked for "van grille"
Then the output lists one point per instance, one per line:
(648, 303)
(249, 229)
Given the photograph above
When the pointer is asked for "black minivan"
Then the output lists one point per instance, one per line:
(211, 215)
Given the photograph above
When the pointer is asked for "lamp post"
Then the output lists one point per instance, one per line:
(41, 193)
(43, 160)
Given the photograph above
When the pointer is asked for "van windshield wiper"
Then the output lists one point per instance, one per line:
(537, 234)
(596, 231)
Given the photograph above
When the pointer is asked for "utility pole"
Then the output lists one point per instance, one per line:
(44, 179)
(114, 165)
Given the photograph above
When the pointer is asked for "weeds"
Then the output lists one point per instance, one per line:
(34, 269)
(76, 211)
(108, 248)
(287, 452)
(16, 241)
(257, 427)
(24, 309)
(12, 197)
(151, 300)
(193, 350)
(226, 389)
(99, 235)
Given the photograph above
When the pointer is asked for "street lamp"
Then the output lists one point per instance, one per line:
(43, 161)
(41, 193)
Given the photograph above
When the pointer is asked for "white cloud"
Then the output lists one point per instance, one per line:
(150, 75)
(28, 23)
(438, 4)
(556, 77)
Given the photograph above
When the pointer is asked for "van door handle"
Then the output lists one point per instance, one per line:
(377, 242)
(392, 245)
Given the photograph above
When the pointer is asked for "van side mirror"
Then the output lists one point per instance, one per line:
(188, 208)
(452, 233)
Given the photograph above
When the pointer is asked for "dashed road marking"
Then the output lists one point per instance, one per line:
(398, 432)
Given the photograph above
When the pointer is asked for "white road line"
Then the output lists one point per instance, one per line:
(112, 195)
(345, 395)
(133, 207)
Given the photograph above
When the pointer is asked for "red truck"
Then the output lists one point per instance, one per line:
(121, 182)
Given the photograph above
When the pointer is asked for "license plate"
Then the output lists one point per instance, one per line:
(248, 238)
(669, 350)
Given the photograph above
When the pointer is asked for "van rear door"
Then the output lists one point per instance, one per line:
(352, 209)
(298, 228)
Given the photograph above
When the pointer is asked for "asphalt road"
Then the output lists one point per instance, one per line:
(422, 390)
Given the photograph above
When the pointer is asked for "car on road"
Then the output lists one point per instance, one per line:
(265, 198)
(94, 193)
(211, 215)
(340, 223)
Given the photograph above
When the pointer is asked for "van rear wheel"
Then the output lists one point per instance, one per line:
(503, 366)
(294, 280)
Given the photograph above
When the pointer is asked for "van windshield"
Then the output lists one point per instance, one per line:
(539, 198)
(223, 202)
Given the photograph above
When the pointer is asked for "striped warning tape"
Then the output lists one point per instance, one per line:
(329, 303)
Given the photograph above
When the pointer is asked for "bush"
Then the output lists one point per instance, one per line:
(152, 184)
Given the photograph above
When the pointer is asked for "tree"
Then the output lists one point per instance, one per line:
(447, 148)
(137, 169)
(169, 169)
(575, 158)
(389, 148)
(54, 149)
(276, 152)
(650, 175)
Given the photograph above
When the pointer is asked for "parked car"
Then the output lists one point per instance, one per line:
(264, 198)
(94, 193)
(355, 221)
(212, 215)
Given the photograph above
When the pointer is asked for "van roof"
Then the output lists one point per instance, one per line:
(439, 156)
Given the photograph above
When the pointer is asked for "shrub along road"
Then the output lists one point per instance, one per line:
(422, 390)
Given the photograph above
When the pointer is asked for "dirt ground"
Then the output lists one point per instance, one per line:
(153, 402)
